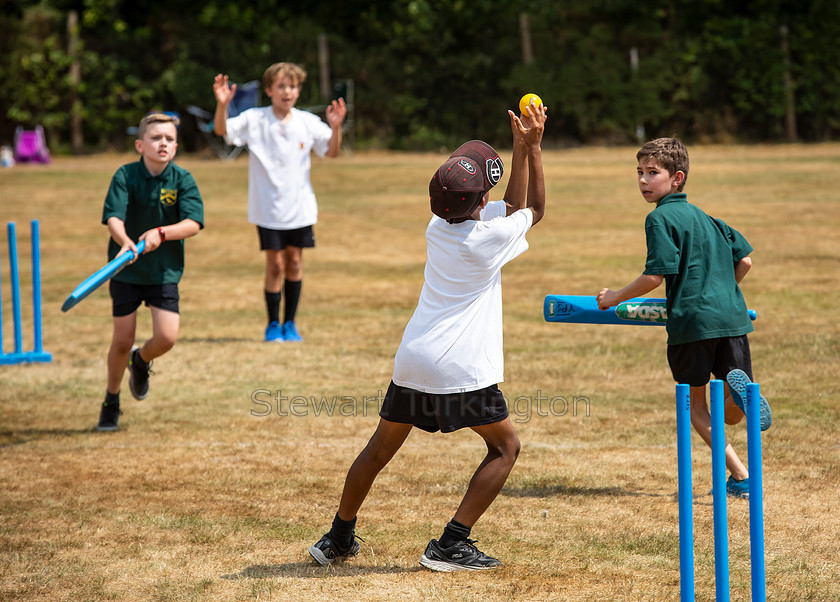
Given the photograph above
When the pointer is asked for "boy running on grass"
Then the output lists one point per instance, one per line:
(153, 200)
(450, 359)
(702, 260)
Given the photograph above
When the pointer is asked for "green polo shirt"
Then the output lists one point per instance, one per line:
(697, 255)
(143, 201)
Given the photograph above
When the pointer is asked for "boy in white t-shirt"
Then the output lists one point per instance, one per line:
(450, 359)
(281, 201)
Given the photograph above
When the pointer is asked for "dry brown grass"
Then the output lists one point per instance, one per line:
(197, 499)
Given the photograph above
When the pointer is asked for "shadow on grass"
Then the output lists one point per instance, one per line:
(571, 490)
(12, 438)
(311, 570)
(700, 498)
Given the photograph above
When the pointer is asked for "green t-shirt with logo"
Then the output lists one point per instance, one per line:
(143, 201)
(696, 254)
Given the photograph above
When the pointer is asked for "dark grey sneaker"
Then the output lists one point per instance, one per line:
(138, 378)
(326, 550)
(738, 381)
(109, 417)
(462, 556)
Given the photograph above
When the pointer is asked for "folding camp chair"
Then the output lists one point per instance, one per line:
(31, 146)
(247, 96)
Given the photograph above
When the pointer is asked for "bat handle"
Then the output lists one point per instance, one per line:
(141, 246)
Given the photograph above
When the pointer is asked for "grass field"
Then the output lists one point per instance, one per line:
(198, 498)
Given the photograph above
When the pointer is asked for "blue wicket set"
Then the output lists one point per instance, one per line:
(19, 355)
(686, 495)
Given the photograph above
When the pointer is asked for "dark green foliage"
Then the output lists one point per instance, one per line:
(431, 73)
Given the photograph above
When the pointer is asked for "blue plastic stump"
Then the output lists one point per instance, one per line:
(685, 493)
(719, 492)
(37, 354)
(759, 585)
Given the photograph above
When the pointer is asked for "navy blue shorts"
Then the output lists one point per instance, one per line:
(277, 240)
(691, 363)
(445, 413)
(126, 298)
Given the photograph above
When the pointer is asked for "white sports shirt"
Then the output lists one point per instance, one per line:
(280, 195)
(453, 342)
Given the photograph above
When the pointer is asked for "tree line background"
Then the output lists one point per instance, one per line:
(431, 73)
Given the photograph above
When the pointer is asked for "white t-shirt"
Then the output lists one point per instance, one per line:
(453, 342)
(280, 195)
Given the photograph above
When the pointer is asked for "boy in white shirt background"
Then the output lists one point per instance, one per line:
(450, 360)
(281, 202)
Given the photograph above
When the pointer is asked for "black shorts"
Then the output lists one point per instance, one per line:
(691, 363)
(126, 298)
(277, 240)
(445, 413)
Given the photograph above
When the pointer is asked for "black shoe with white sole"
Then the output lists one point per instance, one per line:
(138, 374)
(461, 556)
(326, 551)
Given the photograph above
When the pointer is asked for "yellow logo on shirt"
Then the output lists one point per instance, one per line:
(168, 197)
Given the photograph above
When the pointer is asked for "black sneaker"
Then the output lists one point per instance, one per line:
(462, 556)
(138, 378)
(326, 550)
(109, 417)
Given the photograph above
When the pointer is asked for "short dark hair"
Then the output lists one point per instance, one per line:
(153, 118)
(670, 153)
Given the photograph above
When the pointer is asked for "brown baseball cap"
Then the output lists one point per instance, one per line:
(459, 184)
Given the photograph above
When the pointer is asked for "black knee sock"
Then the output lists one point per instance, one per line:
(272, 304)
(343, 530)
(292, 289)
(453, 533)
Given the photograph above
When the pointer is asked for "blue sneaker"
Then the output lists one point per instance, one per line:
(274, 333)
(739, 489)
(290, 333)
(738, 381)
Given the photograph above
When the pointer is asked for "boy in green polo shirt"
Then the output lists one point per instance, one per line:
(702, 260)
(153, 200)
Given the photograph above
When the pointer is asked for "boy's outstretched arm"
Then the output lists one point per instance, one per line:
(224, 94)
(517, 188)
(640, 286)
(336, 112)
(531, 129)
(536, 182)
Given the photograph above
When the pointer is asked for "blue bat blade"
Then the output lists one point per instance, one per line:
(99, 277)
(583, 309)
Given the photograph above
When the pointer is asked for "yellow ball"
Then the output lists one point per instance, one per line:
(525, 102)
